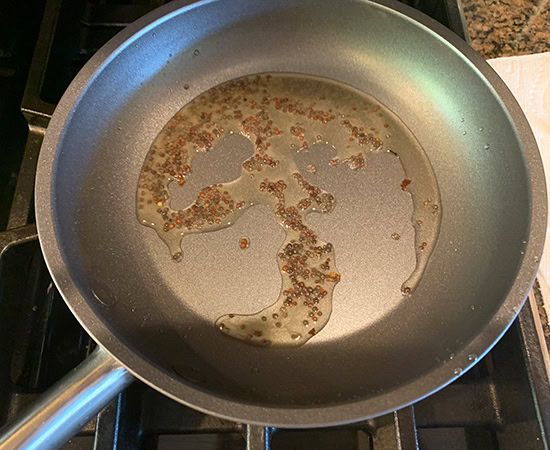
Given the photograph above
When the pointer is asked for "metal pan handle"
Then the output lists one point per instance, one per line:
(68, 405)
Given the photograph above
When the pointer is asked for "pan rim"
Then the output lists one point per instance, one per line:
(286, 417)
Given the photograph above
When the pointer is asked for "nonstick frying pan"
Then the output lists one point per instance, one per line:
(154, 319)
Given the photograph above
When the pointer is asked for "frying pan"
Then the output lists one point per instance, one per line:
(154, 319)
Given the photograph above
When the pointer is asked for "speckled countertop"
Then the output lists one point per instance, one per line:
(508, 27)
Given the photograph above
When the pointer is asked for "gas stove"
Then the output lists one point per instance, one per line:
(502, 403)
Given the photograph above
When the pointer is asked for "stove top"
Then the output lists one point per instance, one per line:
(502, 403)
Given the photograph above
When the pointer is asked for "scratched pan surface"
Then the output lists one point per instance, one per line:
(379, 351)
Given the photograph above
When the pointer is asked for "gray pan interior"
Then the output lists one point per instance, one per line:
(380, 351)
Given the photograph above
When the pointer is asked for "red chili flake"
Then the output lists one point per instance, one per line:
(405, 183)
(333, 277)
(312, 332)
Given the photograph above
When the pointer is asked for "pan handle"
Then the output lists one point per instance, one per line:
(68, 405)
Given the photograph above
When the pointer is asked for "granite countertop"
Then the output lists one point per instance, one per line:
(508, 27)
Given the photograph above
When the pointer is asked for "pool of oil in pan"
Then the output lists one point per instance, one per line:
(285, 116)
